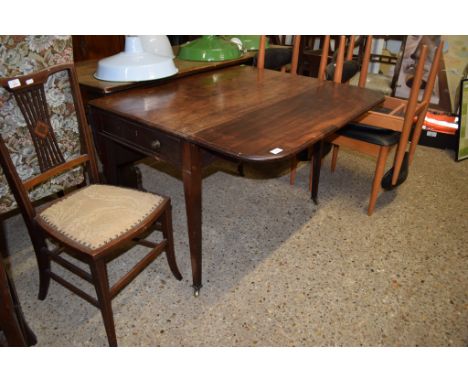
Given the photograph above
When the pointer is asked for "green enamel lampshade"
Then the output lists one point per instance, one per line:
(249, 42)
(209, 48)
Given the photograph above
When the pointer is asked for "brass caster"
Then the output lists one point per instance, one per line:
(196, 290)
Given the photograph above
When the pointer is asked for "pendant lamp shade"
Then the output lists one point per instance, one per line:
(157, 44)
(209, 48)
(134, 64)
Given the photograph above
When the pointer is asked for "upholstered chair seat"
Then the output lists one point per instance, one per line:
(371, 134)
(97, 215)
(375, 81)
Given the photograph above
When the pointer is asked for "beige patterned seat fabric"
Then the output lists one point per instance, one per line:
(375, 81)
(97, 214)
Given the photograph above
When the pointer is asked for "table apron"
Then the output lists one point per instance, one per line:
(143, 139)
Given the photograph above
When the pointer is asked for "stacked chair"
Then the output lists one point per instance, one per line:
(389, 126)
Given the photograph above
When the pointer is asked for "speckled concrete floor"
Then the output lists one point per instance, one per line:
(280, 271)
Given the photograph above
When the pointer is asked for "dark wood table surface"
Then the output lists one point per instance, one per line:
(236, 112)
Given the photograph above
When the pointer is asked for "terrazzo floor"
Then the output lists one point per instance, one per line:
(280, 271)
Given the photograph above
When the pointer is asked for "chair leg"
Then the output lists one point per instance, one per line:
(292, 174)
(42, 258)
(334, 157)
(101, 284)
(168, 235)
(43, 263)
(376, 184)
(4, 252)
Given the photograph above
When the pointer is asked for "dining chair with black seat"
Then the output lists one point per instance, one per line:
(93, 224)
(391, 125)
(284, 55)
(287, 62)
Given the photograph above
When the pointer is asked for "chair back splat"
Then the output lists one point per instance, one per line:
(287, 59)
(29, 93)
(93, 224)
(410, 115)
(426, 100)
(365, 62)
(324, 58)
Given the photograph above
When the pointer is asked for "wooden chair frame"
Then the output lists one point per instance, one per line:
(29, 93)
(294, 59)
(404, 116)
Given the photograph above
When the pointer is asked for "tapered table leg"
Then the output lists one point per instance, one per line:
(118, 164)
(316, 164)
(191, 174)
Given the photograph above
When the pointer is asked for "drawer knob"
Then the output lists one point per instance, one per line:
(156, 145)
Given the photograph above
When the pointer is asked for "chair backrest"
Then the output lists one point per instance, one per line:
(295, 53)
(416, 112)
(27, 54)
(413, 113)
(343, 61)
(30, 95)
(277, 39)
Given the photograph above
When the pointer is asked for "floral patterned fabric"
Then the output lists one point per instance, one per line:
(22, 55)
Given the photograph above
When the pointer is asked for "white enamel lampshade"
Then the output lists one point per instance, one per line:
(157, 44)
(134, 64)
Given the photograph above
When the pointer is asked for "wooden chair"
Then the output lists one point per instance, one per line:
(384, 82)
(287, 54)
(310, 52)
(93, 224)
(380, 130)
(59, 50)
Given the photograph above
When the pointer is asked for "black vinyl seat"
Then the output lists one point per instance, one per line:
(350, 68)
(276, 58)
(370, 134)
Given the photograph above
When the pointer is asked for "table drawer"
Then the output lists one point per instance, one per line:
(144, 139)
